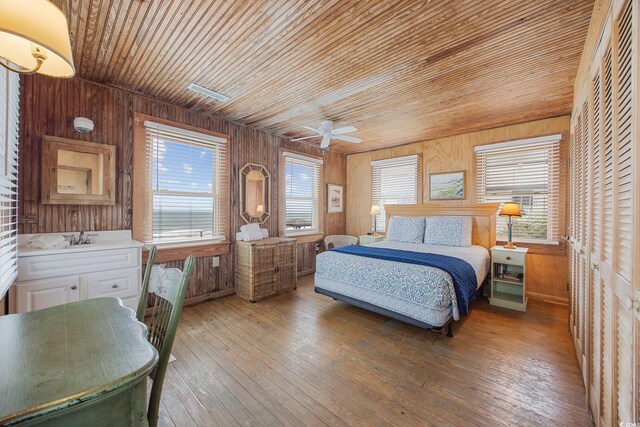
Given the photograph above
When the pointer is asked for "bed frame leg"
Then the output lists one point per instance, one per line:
(449, 330)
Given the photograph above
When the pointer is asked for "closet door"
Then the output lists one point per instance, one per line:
(595, 155)
(625, 147)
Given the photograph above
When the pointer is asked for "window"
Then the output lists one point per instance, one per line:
(9, 114)
(526, 172)
(186, 185)
(302, 193)
(394, 182)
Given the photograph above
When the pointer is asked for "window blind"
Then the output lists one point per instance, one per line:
(302, 193)
(393, 182)
(186, 185)
(526, 172)
(9, 120)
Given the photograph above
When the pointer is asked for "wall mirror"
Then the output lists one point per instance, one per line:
(255, 191)
(77, 172)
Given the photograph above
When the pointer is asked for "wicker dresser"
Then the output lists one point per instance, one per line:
(265, 268)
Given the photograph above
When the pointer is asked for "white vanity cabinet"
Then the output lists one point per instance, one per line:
(108, 267)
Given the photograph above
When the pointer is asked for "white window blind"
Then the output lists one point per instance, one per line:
(526, 172)
(302, 193)
(186, 185)
(9, 119)
(393, 182)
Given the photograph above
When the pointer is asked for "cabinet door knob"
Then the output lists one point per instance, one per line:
(114, 286)
(74, 287)
(508, 258)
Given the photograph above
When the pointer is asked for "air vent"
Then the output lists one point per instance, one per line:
(208, 92)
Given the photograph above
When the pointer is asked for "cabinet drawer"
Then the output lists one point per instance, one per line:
(121, 284)
(42, 267)
(512, 258)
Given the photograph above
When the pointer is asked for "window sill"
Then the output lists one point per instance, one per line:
(557, 249)
(309, 237)
(180, 251)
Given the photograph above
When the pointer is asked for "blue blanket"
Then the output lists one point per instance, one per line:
(461, 272)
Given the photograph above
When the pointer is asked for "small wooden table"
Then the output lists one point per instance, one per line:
(83, 363)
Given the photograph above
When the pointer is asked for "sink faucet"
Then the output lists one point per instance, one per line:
(83, 239)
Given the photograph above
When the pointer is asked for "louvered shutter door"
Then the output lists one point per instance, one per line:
(624, 175)
(606, 397)
(9, 118)
(596, 290)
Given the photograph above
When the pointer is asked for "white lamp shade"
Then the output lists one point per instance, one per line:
(42, 23)
(375, 210)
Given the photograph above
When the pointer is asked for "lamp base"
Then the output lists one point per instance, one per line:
(509, 245)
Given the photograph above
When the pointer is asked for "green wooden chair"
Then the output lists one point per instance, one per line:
(168, 286)
(142, 303)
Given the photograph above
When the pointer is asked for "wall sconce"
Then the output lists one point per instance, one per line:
(34, 36)
(83, 124)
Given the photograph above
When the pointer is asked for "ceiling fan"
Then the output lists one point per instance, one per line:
(327, 132)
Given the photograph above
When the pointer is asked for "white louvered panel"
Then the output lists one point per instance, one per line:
(9, 126)
(607, 353)
(624, 365)
(608, 191)
(624, 144)
(573, 226)
(393, 181)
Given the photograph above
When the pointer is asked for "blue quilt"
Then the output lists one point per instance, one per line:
(461, 272)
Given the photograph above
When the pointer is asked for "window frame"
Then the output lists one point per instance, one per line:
(142, 178)
(319, 230)
(543, 246)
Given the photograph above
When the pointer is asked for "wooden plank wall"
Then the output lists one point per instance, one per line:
(48, 107)
(548, 269)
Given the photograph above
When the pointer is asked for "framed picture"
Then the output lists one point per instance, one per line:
(334, 198)
(446, 186)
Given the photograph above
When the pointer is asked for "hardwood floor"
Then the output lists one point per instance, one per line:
(304, 359)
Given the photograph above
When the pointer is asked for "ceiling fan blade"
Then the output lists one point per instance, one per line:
(304, 137)
(347, 138)
(312, 130)
(345, 129)
(325, 141)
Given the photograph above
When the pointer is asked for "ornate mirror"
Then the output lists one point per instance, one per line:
(255, 190)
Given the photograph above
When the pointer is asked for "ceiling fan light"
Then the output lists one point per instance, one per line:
(29, 25)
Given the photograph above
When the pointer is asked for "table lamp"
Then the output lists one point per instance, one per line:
(375, 211)
(510, 209)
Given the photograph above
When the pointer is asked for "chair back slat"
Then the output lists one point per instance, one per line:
(142, 303)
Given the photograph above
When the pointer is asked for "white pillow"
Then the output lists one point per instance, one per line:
(406, 229)
(448, 230)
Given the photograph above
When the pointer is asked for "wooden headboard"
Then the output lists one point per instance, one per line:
(484, 217)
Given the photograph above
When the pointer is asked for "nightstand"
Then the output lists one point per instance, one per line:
(371, 238)
(508, 278)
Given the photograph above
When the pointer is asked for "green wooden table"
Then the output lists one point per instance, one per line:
(83, 363)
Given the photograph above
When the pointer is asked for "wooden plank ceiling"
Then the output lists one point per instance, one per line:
(400, 71)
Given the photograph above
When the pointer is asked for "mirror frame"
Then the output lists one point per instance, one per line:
(49, 175)
(246, 169)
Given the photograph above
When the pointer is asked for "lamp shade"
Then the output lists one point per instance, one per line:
(510, 209)
(29, 24)
(375, 210)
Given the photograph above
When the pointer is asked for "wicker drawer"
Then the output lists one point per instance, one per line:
(265, 268)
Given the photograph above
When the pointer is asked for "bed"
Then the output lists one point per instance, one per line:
(428, 285)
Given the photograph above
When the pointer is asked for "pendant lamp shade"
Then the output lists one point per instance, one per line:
(35, 28)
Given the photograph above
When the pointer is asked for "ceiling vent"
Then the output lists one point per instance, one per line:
(208, 92)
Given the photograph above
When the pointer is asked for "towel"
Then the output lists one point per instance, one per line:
(253, 235)
(253, 227)
(243, 236)
(43, 241)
